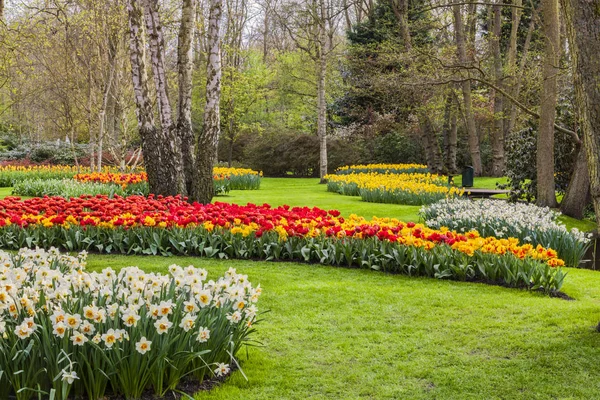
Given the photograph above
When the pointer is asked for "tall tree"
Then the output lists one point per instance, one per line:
(206, 154)
(546, 195)
(582, 19)
(461, 47)
(498, 158)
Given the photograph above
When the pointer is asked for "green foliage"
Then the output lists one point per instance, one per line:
(521, 163)
(68, 188)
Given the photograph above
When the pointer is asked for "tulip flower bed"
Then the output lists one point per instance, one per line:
(73, 188)
(67, 333)
(527, 222)
(148, 225)
(225, 178)
(382, 169)
(405, 188)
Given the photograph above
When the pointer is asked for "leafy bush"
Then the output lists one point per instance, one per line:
(80, 333)
(527, 222)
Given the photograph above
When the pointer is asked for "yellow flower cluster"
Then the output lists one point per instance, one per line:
(224, 171)
(379, 167)
(415, 183)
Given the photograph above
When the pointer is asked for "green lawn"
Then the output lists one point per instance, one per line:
(336, 333)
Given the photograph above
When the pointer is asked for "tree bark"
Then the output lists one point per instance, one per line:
(511, 60)
(206, 151)
(400, 9)
(185, 70)
(582, 19)
(321, 99)
(171, 172)
(516, 90)
(466, 90)
(546, 195)
(498, 162)
(145, 114)
(432, 148)
(450, 131)
(578, 192)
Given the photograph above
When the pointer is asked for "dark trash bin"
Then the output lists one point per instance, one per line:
(467, 177)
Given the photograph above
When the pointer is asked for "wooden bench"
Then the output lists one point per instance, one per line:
(483, 193)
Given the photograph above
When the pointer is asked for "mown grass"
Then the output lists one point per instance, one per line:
(336, 333)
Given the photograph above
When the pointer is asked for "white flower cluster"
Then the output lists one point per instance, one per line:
(498, 218)
(45, 290)
(495, 218)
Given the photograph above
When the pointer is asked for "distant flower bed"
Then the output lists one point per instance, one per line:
(396, 188)
(240, 178)
(226, 179)
(149, 225)
(68, 188)
(382, 169)
(68, 333)
(527, 222)
(117, 178)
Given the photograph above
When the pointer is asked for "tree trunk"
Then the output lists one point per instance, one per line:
(400, 9)
(516, 90)
(321, 99)
(583, 27)
(466, 89)
(511, 60)
(546, 195)
(206, 151)
(432, 148)
(145, 115)
(450, 133)
(322, 117)
(171, 175)
(498, 162)
(578, 192)
(185, 69)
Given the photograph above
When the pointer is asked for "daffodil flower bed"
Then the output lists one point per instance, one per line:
(65, 332)
(527, 222)
(148, 225)
(395, 188)
(382, 169)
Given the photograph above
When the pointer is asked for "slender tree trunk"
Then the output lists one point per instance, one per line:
(185, 69)
(322, 116)
(171, 171)
(466, 90)
(203, 190)
(450, 133)
(583, 27)
(432, 148)
(521, 71)
(578, 192)
(546, 195)
(511, 60)
(145, 114)
(321, 99)
(400, 9)
(498, 162)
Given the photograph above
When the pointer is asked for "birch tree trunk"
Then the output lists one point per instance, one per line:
(321, 99)
(171, 171)
(185, 69)
(546, 195)
(206, 151)
(582, 19)
(145, 114)
(498, 162)
(466, 90)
